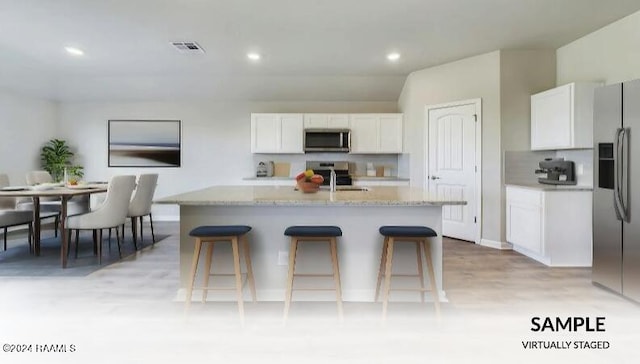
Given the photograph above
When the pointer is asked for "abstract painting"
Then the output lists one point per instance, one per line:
(144, 143)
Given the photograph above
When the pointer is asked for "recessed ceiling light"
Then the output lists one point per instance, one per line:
(253, 56)
(393, 56)
(74, 51)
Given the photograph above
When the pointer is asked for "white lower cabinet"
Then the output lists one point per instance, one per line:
(550, 226)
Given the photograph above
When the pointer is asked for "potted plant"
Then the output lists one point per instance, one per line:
(56, 156)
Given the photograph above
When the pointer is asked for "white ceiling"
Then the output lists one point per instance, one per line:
(312, 50)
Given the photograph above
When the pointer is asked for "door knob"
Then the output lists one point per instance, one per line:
(435, 177)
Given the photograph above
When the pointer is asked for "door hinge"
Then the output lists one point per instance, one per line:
(475, 117)
(475, 219)
(476, 167)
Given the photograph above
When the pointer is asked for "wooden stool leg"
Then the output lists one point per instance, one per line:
(383, 259)
(336, 275)
(238, 273)
(420, 270)
(387, 278)
(292, 264)
(247, 262)
(194, 269)
(207, 270)
(432, 278)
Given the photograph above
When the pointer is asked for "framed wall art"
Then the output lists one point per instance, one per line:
(144, 143)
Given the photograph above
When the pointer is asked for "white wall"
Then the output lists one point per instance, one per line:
(470, 78)
(215, 138)
(504, 80)
(610, 55)
(522, 73)
(25, 125)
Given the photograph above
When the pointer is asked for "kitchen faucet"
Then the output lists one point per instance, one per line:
(332, 181)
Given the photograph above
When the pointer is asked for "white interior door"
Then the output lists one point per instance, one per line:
(452, 166)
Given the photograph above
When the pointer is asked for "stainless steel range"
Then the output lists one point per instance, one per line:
(342, 169)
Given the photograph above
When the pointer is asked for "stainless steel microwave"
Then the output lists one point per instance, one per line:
(327, 140)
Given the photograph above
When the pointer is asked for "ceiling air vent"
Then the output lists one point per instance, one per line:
(188, 47)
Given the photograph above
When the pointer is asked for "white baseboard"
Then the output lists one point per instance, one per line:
(542, 259)
(496, 244)
(166, 217)
(277, 295)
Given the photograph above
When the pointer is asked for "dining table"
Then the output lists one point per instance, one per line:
(65, 193)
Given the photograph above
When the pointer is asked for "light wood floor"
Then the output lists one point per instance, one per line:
(474, 278)
(126, 313)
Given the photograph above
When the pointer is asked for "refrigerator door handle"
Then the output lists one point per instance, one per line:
(624, 175)
(616, 172)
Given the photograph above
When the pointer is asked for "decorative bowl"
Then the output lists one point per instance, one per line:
(308, 187)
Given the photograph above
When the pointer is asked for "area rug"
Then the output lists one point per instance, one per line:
(18, 262)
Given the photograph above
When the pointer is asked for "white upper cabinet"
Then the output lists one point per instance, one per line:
(562, 118)
(390, 133)
(326, 121)
(376, 133)
(364, 133)
(284, 133)
(276, 133)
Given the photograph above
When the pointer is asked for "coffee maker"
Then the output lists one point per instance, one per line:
(556, 171)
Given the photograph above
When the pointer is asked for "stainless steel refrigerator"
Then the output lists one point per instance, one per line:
(616, 193)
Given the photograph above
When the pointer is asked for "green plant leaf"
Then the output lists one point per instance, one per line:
(56, 156)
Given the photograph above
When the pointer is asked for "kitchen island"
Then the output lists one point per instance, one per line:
(270, 209)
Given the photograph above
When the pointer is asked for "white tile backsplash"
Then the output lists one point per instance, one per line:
(583, 159)
(520, 166)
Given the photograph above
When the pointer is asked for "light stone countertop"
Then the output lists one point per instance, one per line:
(287, 196)
(545, 187)
(355, 178)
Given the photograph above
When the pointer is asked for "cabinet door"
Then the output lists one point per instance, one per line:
(364, 133)
(524, 219)
(552, 118)
(323, 121)
(338, 121)
(523, 226)
(291, 130)
(265, 129)
(316, 121)
(390, 134)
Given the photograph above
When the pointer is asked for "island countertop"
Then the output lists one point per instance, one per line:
(287, 196)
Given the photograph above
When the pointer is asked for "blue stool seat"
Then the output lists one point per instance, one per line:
(407, 231)
(320, 231)
(220, 230)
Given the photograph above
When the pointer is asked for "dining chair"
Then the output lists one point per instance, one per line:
(140, 205)
(11, 204)
(111, 214)
(38, 177)
(9, 217)
(49, 205)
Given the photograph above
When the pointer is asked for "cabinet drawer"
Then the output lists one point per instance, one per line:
(524, 196)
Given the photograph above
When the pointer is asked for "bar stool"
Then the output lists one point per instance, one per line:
(313, 233)
(418, 235)
(217, 234)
